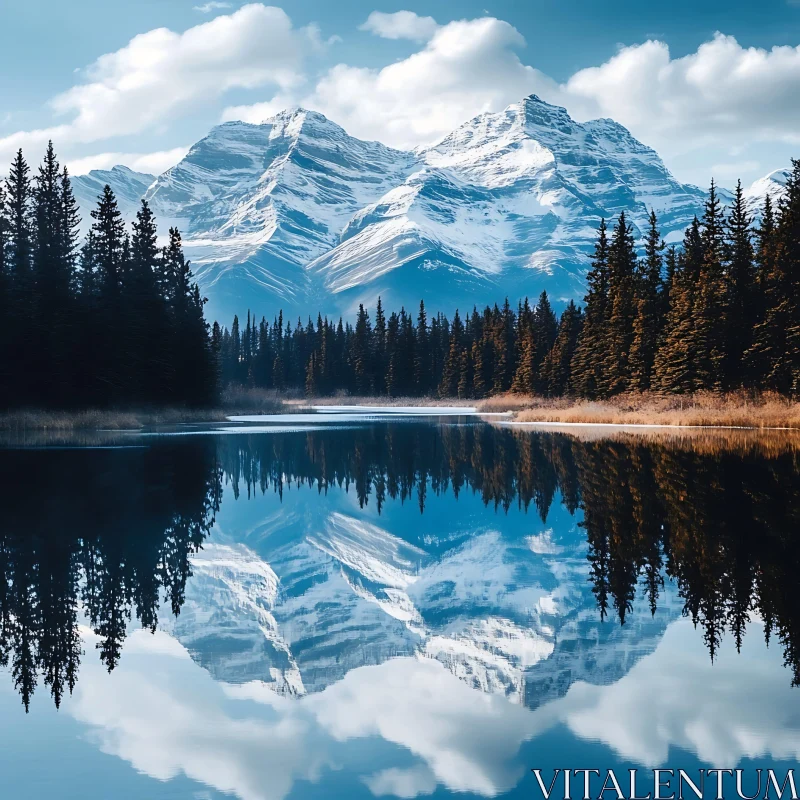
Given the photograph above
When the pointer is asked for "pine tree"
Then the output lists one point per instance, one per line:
(621, 268)
(108, 254)
(527, 369)
(312, 376)
(586, 370)
(392, 354)
(740, 288)
(379, 349)
(647, 322)
(465, 375)
(778, 336)
(451, 374)
(675, 358)
(5, 306)
(556, 369)
(762, 354)
(709, 310)
(19, 225)
(108, 248)
(360, 355)
(147, 334)
(545, 330)
(422, 370)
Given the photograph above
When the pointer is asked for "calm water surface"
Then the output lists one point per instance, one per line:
(364, 608)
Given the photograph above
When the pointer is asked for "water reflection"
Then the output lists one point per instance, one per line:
(101, 534)
(299, 595)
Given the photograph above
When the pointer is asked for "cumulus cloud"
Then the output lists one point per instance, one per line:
(716, 103)
(723, 97)
(467, 67)
(161, 75)
(722, 93)
(164, 715)
(400, 25)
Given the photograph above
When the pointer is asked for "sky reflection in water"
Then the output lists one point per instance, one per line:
(334, 640)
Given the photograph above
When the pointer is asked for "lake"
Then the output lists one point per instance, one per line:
(342, 606)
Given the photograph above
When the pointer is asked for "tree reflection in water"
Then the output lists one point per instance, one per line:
(106, 534)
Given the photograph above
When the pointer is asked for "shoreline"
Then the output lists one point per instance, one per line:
(702, 411)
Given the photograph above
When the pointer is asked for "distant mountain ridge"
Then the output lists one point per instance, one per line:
(294, 213)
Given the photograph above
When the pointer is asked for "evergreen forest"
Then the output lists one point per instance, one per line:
(720, 312)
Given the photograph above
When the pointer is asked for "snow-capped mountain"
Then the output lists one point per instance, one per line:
(129, 188)
(304, 599)
(296, 213)
(773, 184)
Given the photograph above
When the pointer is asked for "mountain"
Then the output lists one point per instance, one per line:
(257, 203)
(508, 203)
(129, 188)
(294, 213)
(302, 599)
(773, 184)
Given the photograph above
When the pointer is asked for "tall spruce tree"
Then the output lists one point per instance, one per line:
(647, 319)
(710, 311)
(20, 222)
(776, 346)
(147, 331)
(527, 370)
(557, 366)
(6, 372)
(621, 269)
(675, 370)
(767, 340)
(422, 353)
(379, 349)
(451, 374)
(545, 330)
(586, 370)
(741, 285)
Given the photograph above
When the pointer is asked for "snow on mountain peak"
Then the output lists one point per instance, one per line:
(772, 184)
(295, 213)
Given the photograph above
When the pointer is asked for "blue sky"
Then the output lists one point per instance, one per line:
(713, 86)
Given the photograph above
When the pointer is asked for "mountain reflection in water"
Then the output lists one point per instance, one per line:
(106, 536)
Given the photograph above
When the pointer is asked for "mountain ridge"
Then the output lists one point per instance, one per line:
(295, 213)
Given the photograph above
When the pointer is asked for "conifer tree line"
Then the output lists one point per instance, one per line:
(113, 320)
(719, 313)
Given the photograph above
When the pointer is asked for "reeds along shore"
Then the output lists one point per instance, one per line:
(735, 410)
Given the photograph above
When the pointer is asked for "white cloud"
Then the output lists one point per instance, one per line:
(207, 8)
(400, 25)
(467, 67)
(720, 98)
(405, 783)
(161, 75)
(153, 163)
(164, 715)
(723, 93)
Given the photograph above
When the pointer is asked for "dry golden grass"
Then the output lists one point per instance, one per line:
(765, 442)
(736, 410)
(109, 420)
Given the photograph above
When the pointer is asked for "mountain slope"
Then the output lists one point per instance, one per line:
(508, 203)
(309, 598)
(258, 202)
(772, 184)
(294, 213)
(129, 188)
